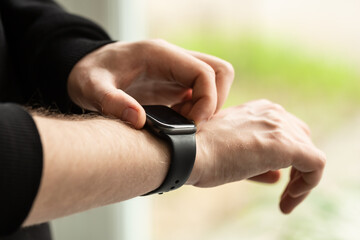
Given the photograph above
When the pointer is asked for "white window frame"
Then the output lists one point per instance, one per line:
(129, 220)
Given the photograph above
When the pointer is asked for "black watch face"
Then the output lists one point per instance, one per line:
(162, 118)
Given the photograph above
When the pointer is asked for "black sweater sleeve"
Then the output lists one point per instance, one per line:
(45, 42)
(20, 166)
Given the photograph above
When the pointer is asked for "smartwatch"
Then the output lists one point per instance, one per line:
(179, 132)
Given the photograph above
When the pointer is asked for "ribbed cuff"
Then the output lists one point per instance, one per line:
(56, 43)
(21, 163)
(58, 63)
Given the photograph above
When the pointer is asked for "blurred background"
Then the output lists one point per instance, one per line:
(304, 55)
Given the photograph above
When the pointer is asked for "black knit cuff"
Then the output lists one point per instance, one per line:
(21, 163)
(57, 64)
(56, 43)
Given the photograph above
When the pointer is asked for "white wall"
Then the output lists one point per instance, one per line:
(321, 25)
(130, 220)
(123, 19)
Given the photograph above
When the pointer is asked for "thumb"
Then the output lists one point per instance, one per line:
(116, 102)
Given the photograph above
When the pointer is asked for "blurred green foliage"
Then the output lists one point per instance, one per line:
(319, 87)
(322, 89)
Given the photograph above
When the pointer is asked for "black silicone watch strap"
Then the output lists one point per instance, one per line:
(183, 152)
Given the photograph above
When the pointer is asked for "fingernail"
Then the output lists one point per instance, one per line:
(130, 115)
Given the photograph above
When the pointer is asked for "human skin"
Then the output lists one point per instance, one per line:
(117, 78)
(253, 141)
(122, 76)
(94, 162)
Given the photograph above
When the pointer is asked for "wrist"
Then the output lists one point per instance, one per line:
(201, 153)
(179, 133)
(159, 159)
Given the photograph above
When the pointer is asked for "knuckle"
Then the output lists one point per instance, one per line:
(277, 107)
(158, 41)
(149, 47)
(140, 46)
(273, 115)
(321, 160)
(105, 101)
(264, 101)
(208, 76)
(139, 43)
(227, 69)
(270, 112)
(269, 124)
(279, 120)
(230, 68)
(208, 72)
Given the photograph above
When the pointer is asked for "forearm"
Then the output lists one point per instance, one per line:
(94, 162)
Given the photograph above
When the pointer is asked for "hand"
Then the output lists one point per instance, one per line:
(118, 77)
(255, 140)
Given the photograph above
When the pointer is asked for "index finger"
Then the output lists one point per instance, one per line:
(224, 72)
(308, 164)
(193, 73)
